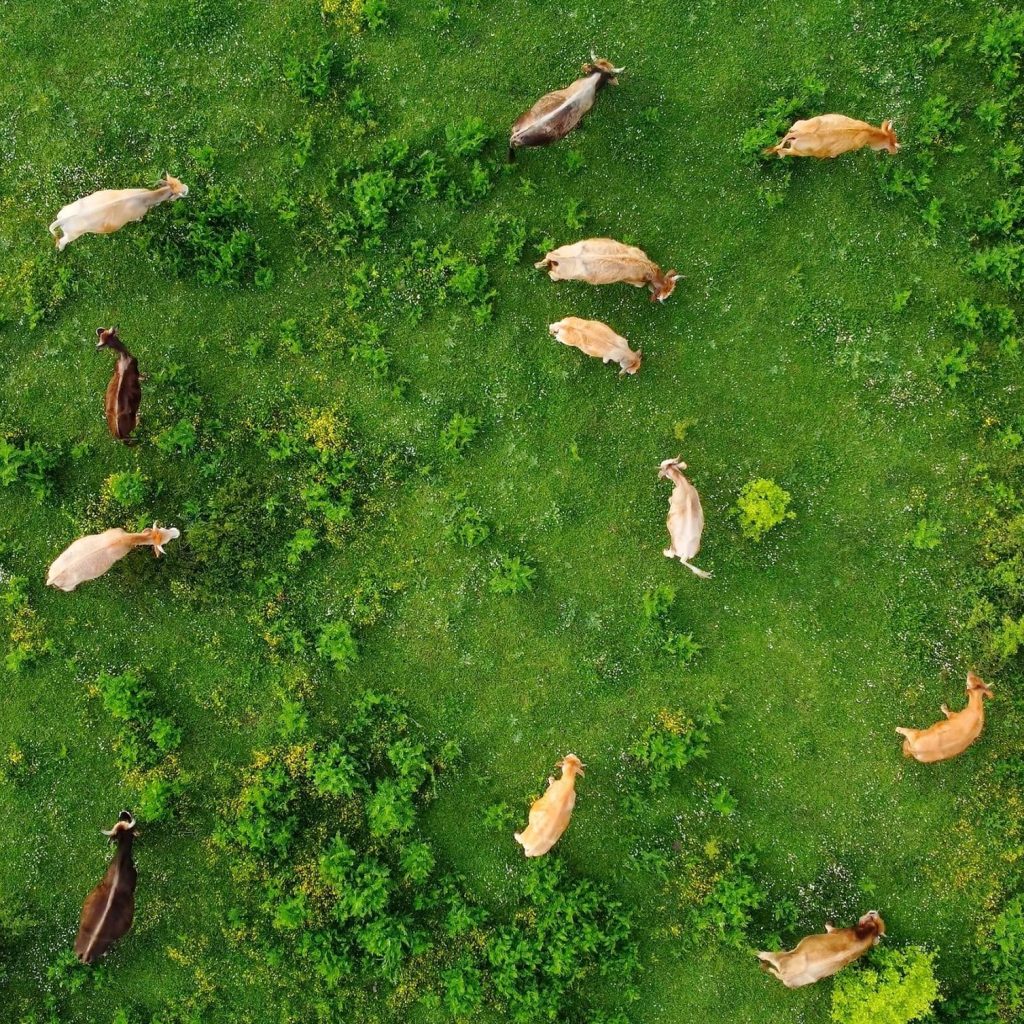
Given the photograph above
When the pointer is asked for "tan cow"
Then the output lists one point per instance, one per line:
(554, 115)
(820, 956)
(109, 210)
(90, 557)
(955, 733)
(598, 340)
(831, 135)
(549, 816)
(605, 261)
(685, 517)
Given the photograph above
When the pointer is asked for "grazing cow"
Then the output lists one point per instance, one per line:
(820, 956)
(108, 910)
(605, 261)
(90, 557)
(549, 816)
(124, 392)
(953, 734)
(597, 339)
(110, 209)
(831, 135)
(685, 517)
(553, 116)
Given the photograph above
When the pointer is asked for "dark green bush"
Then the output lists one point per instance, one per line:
(672, 742)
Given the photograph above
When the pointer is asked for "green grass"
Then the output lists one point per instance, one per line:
(781, 344)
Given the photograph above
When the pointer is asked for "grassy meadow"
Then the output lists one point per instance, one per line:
(356, 416)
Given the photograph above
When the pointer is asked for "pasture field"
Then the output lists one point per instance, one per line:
(355, 415)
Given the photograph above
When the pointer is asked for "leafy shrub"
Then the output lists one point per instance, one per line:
(896, 987)
(144, 737)
(761, 506)
(35, 291)
(465, 138)
(458, 432)
(312, 77)
(927, 535)
(127, 489)
(564, 934)
(1000, 44)
(375, 195)
(511, 575)
(208, 236)
(338, 646)
(179, 438)
(26, 636)
(29, 463)
(658, 601)
(372, 14)
(656, 605)
(681, 646)
(158, 798)
(730, 896)
(671, 742)
(465, 524)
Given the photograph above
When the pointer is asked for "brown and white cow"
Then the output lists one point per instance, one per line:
(831, 135)
(108, 210)
(124, 392)
(605, 261)
(820, 956)
(549, 815)
(553, 116)
(954, 733)
(685, 520)
(598, 340)
(90, 557)
(109, 909)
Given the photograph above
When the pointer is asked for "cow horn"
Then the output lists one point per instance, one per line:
(617, 71)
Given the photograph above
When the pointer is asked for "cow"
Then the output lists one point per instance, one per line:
(605, 261)
(598, 340)
(90, 557)
(553, 116)
(685, 517)
(820, 956)
(108, 210)
(124, 392)
(954, 733)
(831, 135)
(549, 816)
(109, 909)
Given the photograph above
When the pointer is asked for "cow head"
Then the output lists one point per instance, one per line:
(178, 188)
(125, 824)
(671, 468)
(107, 337)
(664, 285)
(159, 536)
(871, 924)
(889, 141)
(976, 683)
(598, 65)
(632, 364)
(571, 765)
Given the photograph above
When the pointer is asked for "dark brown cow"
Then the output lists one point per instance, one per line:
(553, 116)
(108, 910)
(124, 392)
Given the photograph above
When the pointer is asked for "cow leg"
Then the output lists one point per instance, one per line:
(946, 711)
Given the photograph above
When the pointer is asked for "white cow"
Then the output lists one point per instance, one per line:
(109, 210)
